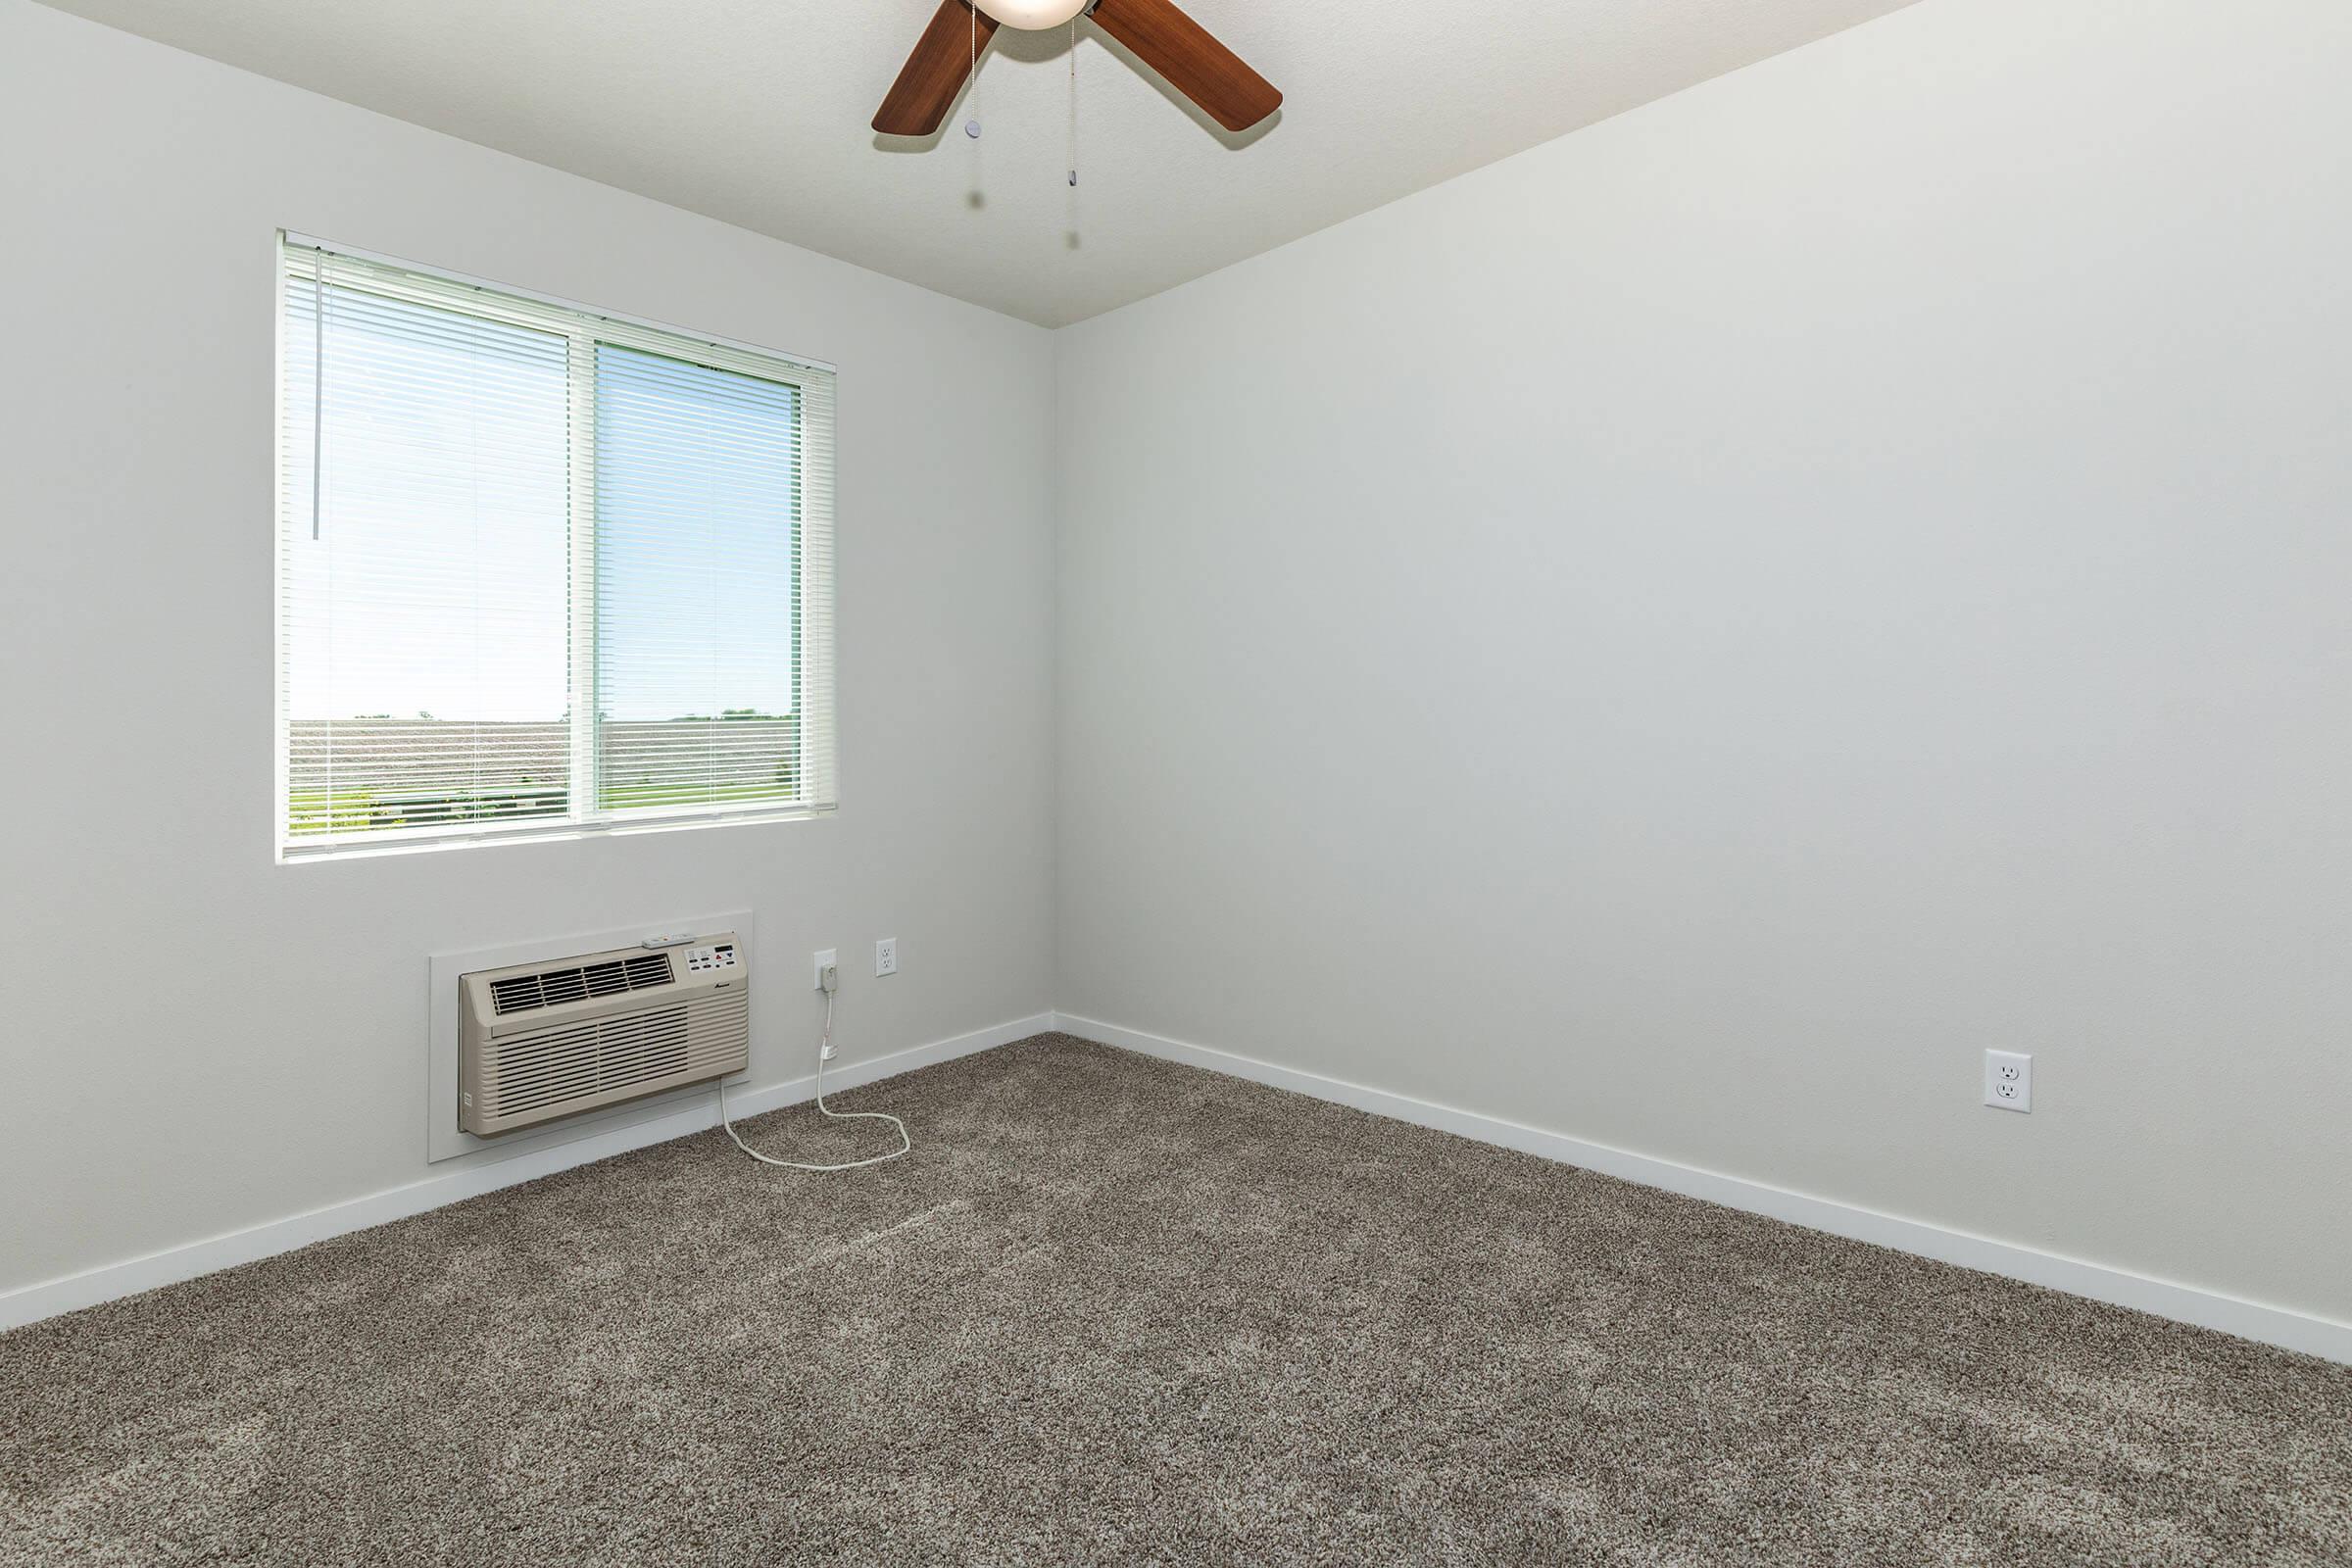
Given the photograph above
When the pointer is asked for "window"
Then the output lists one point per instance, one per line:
(539, 571)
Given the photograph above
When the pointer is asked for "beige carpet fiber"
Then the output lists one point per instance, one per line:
(1117, 1311)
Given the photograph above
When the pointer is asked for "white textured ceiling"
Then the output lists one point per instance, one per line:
(756, 112)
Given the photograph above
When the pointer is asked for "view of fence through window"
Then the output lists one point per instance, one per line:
(527, 572)
(353, 774)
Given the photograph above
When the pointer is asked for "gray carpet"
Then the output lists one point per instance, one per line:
(1117, 1311)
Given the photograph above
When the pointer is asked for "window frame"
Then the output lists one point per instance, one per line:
(584, 328)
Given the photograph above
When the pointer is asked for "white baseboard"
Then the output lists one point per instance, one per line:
(2184, 1303)
(31, 1302)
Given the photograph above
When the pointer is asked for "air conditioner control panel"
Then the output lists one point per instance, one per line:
(718, 956)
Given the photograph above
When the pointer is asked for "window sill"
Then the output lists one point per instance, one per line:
(430, 841)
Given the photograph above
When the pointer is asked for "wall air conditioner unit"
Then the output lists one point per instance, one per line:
(538, 1041)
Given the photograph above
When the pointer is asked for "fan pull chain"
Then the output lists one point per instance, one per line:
(1073, 103)
(971, 126)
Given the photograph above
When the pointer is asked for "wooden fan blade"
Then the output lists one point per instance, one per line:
(934, 73)
(1194, 63)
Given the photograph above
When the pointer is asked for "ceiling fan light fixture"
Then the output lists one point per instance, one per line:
(1158, 32)
(1033, 15)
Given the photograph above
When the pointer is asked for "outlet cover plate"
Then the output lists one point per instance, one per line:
(2009, 1080)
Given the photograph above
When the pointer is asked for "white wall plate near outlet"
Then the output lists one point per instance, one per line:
(2009, 1080)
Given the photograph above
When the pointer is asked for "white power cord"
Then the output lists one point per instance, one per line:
(824, 1053)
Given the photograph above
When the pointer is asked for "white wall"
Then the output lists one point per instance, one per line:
(250, 1043)
(1684, 637)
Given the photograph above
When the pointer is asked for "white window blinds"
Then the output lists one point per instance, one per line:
(540, 570)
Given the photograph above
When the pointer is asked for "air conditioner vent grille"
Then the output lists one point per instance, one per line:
(609, 977)
(588, 1058)
(569, 1065)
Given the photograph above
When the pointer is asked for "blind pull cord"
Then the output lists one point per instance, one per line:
(318, 381)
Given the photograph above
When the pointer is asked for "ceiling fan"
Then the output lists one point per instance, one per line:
(1158, 34)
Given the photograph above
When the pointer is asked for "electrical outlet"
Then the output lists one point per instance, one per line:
(825, 961)
(2008, 1080)
(886, 955)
